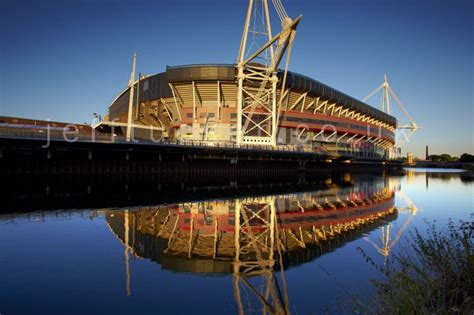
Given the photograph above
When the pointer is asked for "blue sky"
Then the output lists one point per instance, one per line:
(64, 60)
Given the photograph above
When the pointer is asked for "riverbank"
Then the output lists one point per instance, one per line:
(437, 278)
(443, 165)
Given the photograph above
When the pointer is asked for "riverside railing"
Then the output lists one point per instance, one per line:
(68, 135)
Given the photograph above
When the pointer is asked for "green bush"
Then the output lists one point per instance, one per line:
(436, 276)
(466, 158)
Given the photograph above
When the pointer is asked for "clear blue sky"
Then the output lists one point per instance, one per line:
(64, 60)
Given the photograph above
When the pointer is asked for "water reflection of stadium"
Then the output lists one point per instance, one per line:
(222, 236)
(252, 237)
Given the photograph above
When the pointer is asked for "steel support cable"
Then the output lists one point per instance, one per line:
(372, 93)
(283, 8)
(277, 10)
(400, 105)
(280, 9)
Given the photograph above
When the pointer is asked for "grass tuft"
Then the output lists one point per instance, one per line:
(435, 276)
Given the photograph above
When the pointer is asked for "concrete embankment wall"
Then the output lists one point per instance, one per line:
(58, 158)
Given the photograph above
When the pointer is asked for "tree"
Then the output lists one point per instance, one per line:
(434, 158)
(445, 157)
(466, 158)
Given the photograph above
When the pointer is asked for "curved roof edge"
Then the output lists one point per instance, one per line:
(295, 81)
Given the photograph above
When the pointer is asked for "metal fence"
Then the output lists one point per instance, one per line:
(70, 136)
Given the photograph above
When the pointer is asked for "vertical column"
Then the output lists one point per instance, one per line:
(218, 113)
(240, 104)
(130, 100)
(274, 109)
(194, 102)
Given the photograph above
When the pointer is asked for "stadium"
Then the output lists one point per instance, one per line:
(252, 102)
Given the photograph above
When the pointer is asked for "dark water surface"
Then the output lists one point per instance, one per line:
(246, 248)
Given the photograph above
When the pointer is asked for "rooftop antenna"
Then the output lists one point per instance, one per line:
(387, 92)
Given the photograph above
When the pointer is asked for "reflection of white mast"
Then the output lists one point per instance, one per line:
(127, 248)
(388, 244)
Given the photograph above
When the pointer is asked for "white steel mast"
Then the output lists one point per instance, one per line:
(386, 99)
(257, 66)
(131, 83)
(387, 92)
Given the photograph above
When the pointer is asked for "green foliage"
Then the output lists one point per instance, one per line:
(435, 277)
(466, 158)
(435, 158)
(443, 158)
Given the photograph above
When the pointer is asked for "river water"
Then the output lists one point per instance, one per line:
(299, 249)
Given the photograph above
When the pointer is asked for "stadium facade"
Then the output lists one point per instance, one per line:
(199, 103)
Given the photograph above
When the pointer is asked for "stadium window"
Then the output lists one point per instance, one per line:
(145, 86)
(189, 115)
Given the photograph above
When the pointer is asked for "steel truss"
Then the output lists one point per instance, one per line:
(257, 73)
